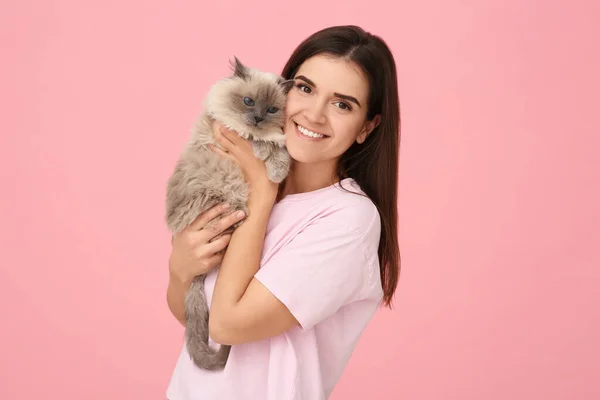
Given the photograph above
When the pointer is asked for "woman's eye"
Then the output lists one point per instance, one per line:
(344, 106)
(248, 101)
(303, 88)
(272, 110)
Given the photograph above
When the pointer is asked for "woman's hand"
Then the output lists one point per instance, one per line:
(240, 151)
(193, 254)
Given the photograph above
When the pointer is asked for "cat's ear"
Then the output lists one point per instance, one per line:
(287, 84)
(239, 69)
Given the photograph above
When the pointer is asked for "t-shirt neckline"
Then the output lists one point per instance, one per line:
(305, 195)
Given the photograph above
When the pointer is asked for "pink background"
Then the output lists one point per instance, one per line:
(499, 198)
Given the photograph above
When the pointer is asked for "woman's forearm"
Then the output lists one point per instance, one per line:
(176, 293)
(242, 259)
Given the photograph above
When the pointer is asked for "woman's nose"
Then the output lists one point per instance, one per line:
(316, 113)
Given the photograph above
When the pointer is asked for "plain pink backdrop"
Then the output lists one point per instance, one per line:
(499, 191)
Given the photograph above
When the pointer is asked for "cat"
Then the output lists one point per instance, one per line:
(252, 103)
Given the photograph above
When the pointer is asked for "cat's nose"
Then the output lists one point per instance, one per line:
(257, 119)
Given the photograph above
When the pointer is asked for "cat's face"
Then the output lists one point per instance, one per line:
(250, 102)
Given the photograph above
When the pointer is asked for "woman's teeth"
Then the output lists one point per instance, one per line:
(308, 133)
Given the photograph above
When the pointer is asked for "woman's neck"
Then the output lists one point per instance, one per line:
(307, 178)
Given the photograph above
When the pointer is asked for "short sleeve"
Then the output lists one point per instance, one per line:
(324, 267)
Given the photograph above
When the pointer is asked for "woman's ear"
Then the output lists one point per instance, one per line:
(368, 128)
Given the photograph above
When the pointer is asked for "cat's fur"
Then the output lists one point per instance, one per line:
(202, 178)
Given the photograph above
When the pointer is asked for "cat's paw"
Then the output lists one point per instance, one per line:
(277, 172)
(261, 150)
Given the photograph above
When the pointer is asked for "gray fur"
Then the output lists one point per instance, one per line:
(203, 178)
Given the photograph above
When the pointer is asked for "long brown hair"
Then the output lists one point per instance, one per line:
(374, 163)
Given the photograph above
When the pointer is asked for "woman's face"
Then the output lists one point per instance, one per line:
(326, 110)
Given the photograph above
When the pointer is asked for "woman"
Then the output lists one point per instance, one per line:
(316, 256)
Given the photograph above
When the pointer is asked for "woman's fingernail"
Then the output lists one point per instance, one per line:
(240, 214)
(226, 206)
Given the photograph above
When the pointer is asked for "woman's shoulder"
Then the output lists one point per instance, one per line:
(350, 208)
(356, 218)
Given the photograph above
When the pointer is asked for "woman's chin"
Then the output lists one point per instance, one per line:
(297, 154)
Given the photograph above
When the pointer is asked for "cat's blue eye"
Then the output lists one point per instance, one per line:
(248, 101)
(272, 110)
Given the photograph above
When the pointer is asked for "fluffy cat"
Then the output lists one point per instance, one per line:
(250, 102)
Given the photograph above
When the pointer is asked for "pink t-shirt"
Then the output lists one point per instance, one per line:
(320, 259)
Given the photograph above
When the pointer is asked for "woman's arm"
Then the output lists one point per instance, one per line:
(176, 292)
(242, 309)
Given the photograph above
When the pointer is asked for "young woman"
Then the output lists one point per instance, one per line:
(306, 271)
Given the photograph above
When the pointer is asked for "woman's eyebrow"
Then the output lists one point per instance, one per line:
(346, 97)
(341, 96)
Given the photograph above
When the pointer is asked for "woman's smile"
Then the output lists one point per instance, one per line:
(308, 134)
